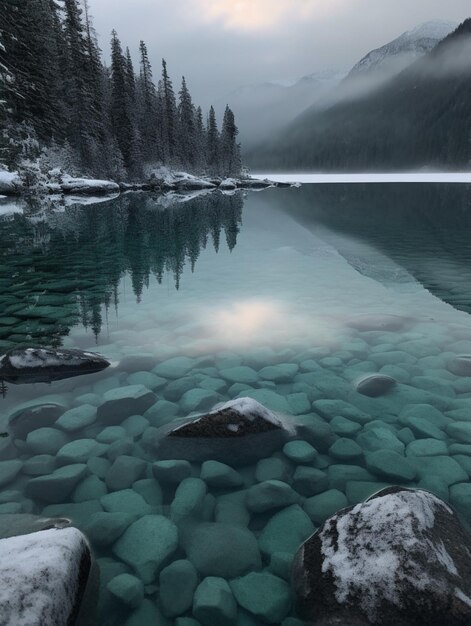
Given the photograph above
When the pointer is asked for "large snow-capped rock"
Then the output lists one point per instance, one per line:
(402, 558)
(9, 182)
(404, 50)
(44, 577)
(236, 433)
(36, 365)
(86, 185)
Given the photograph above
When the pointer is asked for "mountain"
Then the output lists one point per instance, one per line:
(401, 52)
(263, 108)
(420, 117)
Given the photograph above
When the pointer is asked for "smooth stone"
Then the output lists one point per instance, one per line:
(396, 372)
(263, 595)
(331, 408)
(222, 550)
(230, 509)
(285, 531)
(110, 434)
(309, 481)
(161, 412)
(372, 440)
(147, 614)
(406, 436)
(240, 374)
(9, 470)
(177, 585)
(122, 447)
(147, 544)
(339, 475)
(79, 451)
(56, 487)
(316, 431)
(454, 448)
(322, 506)
(98, 466)
(124, 471)
(135, 425)
(150, 490)
(173, 472)
(122, 402)
(460, 431)
(282, 373)
(28, 418)
(299, 403)
(214, 603)
(427, 412)
(79, 513)
(391, 465)
(424, 429)
(77, 418)
(91, 488)
(460, 366)
(427, 447)
(435, 485)
(128, 589)
(126, 501)
(176, 388)
(300, 451)
(280, 564)
(103, 529)
(460, 496)
(271, 494)
(46, 440)
(444, 467)
(148, 379)
(376, 386)
(198, 400)
(188, 500)
(272, 468)
(344, 427)
(214, 384)
(345, 450)
(357, 491)
(217, 474)
(177, 367)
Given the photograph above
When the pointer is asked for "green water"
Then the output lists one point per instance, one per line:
(260, 296)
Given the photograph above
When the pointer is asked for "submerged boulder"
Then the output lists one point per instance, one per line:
(402, 558)
(376, 385)
(384, 323)
(43, 365)
(44, 576)
(238, 432)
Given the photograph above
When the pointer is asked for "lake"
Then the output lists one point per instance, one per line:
(292, 297)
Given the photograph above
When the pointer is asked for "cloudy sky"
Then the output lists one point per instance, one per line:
(220, 45)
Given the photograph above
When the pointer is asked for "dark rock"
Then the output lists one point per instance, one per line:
(402, 558)
(253, 183)
(461, 366)
(22, 422)
(43, 365)
(376, 386)
(385, 323)
(237, 433)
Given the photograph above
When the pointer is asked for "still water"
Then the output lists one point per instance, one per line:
(290, 297)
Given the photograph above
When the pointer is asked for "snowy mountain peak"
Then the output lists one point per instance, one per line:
(405, 49)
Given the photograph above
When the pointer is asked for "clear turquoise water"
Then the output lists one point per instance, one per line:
(267, 279)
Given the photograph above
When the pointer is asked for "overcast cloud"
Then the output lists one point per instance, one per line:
(220, 45)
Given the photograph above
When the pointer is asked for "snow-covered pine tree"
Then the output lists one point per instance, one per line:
(148, 110)
(169, 118)
(120, 109)
(200, 141)
(212, 143)
(187, 151)
(230, 159)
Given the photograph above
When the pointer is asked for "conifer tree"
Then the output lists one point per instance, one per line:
(212, 149)
(230, 160)
(169, 117)
(186, 128)
(120, 110)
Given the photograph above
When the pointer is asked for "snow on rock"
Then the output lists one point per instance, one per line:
(87, 185)
(237, 432)
(401, 557)
(44, 576)
(228, 183)
(25, 365)
(9, 182)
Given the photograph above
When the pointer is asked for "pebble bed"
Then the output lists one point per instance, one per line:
(190, 544)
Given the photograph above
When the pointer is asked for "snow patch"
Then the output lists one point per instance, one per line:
(380, 544)
(40, 576)
(9, 182)
(40, 357)
(250, 409)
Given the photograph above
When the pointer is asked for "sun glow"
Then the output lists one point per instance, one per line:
(260, 15)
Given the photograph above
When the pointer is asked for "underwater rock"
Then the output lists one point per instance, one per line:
(386, 323)
(214, 603)
(461, 366)
(44, 365)
(24, 421)
(400, 558)
(375, 386)
(236, 433)
(44, 576)
(263, 595)
(123, 402)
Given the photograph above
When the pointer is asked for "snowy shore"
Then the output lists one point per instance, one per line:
(161, 180)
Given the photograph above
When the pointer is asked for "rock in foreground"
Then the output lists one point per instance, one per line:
(43, 365)
(44, 576)
(238, 432)
(402, 558)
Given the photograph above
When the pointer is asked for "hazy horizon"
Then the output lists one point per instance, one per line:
(222, 45)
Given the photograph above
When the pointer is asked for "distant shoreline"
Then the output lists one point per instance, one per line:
(367, 177)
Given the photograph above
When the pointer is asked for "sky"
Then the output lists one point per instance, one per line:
(221, 45)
